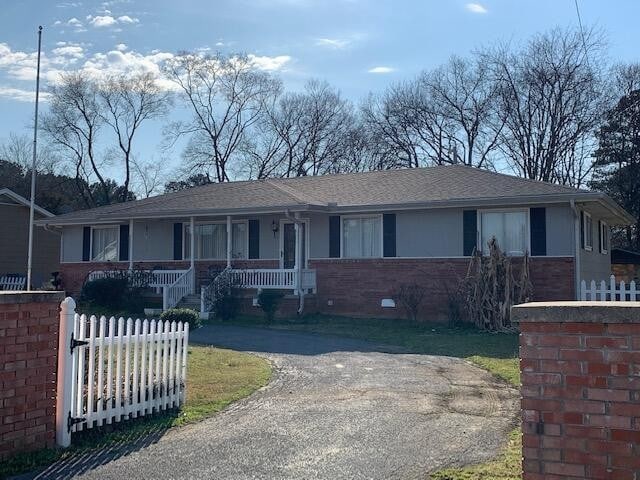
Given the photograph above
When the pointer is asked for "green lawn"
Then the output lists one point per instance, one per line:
(495, 352)
(215, 378)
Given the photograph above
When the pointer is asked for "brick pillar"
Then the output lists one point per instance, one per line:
(28, 361)
(580, 367)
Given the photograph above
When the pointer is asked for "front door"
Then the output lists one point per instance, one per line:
(289, 245)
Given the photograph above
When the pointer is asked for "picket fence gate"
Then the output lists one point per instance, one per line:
(110, 370)
(609, 291)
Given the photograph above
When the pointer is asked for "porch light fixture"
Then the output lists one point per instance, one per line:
(274, 227)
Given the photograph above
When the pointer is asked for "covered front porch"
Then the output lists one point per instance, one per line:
(235, 237)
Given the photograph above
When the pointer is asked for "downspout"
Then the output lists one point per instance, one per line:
(296, 220)
(576, 245)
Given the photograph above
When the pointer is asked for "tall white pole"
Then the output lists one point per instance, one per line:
(33, 166)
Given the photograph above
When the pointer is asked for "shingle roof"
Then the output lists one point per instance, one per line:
(387, 188)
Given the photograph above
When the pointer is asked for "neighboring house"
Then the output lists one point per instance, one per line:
(353, 239)
(14, 240)
(625, 264)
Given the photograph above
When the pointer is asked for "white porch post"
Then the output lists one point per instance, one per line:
(131, 244)
(192, 249)
(229, 241)
(298, 256)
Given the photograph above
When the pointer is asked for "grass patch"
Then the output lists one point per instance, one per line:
(506, 467)
(495, 352)
(215, 378)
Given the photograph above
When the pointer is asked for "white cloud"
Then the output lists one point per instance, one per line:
(476, 8)
(270, 64)
(127, 19)
(57, 22)
(102, 21)
(74, 51)
(21, 95)
(335, 43)
(121, 47)
(69, 5)
(381, 69)
(74, 22)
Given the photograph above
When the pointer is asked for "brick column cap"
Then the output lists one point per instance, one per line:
(576, 312)
(11, 297)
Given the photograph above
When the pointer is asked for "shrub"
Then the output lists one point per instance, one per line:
(222, 297)
(269, 301)
(105, 292)
(411, 296)
(182, 315)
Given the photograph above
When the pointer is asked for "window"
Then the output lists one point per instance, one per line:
(104, 244)
(604, 238)
(361, 237)
(587, 231)
(509, 228)
(211, 241)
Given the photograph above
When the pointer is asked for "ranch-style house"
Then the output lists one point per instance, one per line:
(344, 243)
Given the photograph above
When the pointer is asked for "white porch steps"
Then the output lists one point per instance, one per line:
(190, 301)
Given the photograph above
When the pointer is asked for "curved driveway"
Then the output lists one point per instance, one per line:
(336, 408)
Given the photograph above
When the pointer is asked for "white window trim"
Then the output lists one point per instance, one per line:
(375, 215)
(217, 222)
(526, 211)
(586, 215)
(104, 227)
(603, 232)
(283, 221)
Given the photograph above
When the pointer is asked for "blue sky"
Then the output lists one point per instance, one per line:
(357, 45)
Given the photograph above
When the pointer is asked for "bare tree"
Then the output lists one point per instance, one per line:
(18, 149)
(148, 177)
(462, 99)
(71, 125)
(551, 98)
(226, 96)
(128, 103)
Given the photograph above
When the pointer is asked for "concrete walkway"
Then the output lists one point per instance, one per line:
(335, 409)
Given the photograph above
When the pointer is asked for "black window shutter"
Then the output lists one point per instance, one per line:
(124, 243)
(538, 225)
(177, 241)
(599, 236)
(334, 236)
(86, 244)
(254, 238)
(469, 231)
(389, 234)
(582, 239)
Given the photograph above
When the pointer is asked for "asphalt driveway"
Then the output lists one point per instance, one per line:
(336, 408)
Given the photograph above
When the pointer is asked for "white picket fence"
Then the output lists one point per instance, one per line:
(609, 291)
(110, 370)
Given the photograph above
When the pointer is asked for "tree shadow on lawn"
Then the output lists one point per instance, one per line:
(357, 334)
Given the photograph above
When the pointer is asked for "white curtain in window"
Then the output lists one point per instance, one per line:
(361, 237)
(210, 242)
(508, 228)
(104, 244)
(239, 240)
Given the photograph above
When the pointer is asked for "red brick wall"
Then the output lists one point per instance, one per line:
(580, 368)
(356, 287)
(28, 344)
(626, 272)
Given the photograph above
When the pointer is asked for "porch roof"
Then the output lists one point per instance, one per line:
(431, 187)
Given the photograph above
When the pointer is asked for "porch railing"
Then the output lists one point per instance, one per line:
(156, 278)
(274, 278)
(183, 285)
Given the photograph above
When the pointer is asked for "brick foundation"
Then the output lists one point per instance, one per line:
(580, 368)
(625, 272)
(28, 344)
(356, 287)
